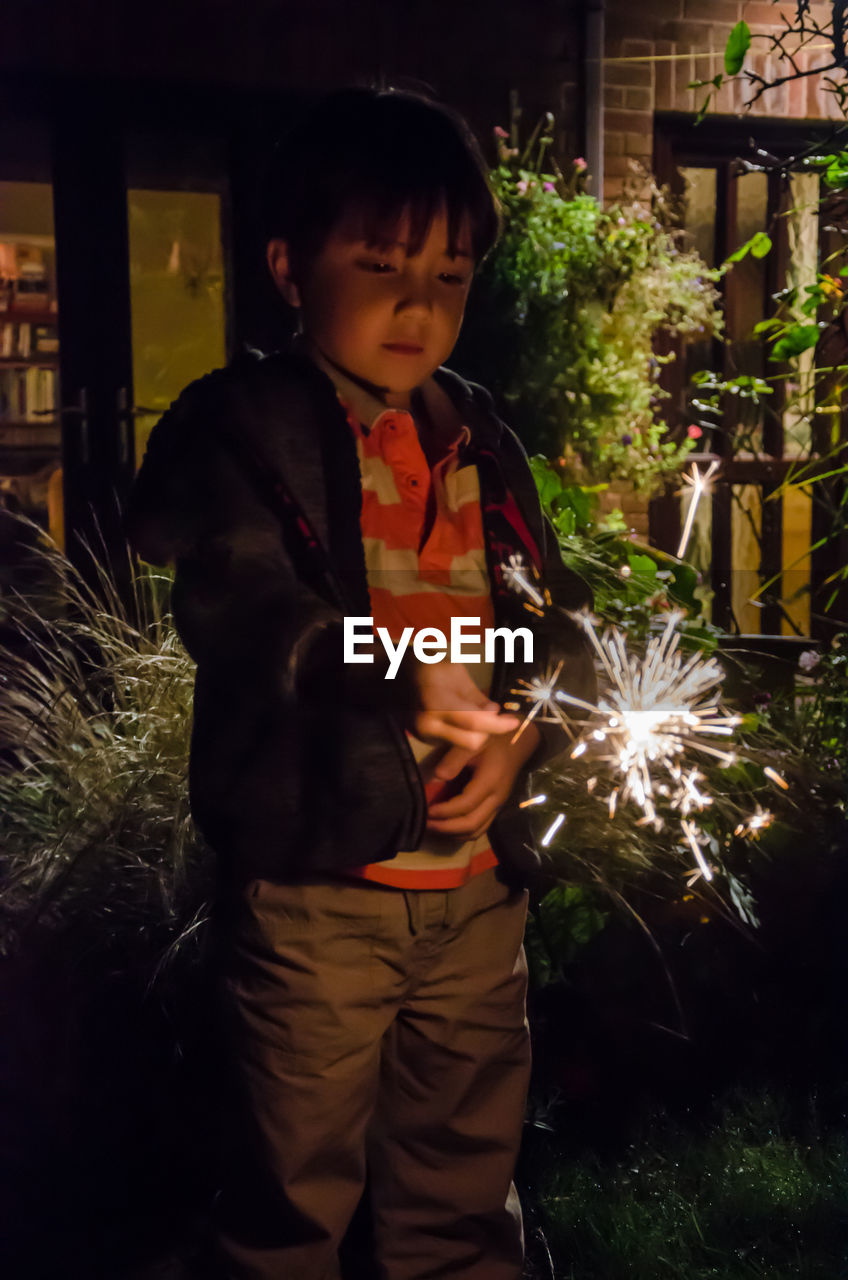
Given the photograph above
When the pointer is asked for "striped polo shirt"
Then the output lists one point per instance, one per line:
(422, 533)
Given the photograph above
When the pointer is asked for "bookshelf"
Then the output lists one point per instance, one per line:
(29, 367)
(30, 421)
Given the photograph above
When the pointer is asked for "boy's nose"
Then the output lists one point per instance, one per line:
(415, 300)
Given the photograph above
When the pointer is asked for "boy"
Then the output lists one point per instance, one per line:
(373, 858)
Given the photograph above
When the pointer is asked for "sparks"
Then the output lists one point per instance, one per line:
(755, 823)
(515, 576)
(691, 833)
(540, 693)
(553, 829)
(699, 484)
(652, 711)
(540, 799)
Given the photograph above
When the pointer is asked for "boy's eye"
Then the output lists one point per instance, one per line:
(379, 267)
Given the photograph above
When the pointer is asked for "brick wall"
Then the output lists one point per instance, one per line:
(471, 53)
(655, 49)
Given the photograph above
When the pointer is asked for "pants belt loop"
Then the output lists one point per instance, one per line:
(410, 897)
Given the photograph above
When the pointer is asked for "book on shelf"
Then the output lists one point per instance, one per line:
(28, 394)
(45, 339)
(22, 339)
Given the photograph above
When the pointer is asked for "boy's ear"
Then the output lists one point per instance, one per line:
(279, 264)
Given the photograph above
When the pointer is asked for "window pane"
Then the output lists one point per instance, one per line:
(802, 230)
(700, 207)
(797, 536)
(746, 531)
(177, 295)
(746, 307)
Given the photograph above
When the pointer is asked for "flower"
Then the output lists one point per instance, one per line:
(809, 660)
(521, 187)
(694, 432)
(626, 438)
(500, 133)
(548, 186)
(580, 164)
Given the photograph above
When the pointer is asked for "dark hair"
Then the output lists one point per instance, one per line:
(368, 154)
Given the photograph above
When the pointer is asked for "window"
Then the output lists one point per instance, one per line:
(754, 546)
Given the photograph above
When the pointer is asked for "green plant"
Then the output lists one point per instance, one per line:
(563, 316)
(755, 1192)
(632, 583)
(94, 727)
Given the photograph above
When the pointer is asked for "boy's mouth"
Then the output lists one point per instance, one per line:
(404, 348)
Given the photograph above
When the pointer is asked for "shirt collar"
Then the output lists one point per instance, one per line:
(368, 408)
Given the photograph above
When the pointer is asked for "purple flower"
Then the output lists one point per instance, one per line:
(626, 439)
(548, 186)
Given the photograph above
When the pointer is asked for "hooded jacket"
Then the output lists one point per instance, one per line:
(300, 763)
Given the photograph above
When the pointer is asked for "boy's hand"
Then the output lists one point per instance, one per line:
(452, 709)
(494, 770)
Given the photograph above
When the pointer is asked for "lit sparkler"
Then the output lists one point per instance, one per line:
(516, 575)
(755, 823)
(652, 711)
(652, 714)
(700, 483)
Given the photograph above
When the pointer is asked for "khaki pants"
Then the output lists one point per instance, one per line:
(369, 1024)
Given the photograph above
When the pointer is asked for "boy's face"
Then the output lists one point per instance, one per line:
(387, 318)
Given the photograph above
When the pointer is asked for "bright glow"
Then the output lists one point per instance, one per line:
(515, 575)
(755, 823)
(691, 833)
(652, 711)
(699, 484)
(533, 800)
(553, 829)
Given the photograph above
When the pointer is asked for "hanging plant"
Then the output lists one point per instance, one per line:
(563, 317)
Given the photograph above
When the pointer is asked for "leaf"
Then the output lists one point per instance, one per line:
(801, 337)
(538, 959)
(568, 920)
(565, 522)
(547, 481)
(642, 565)
(760, 245)
(738, 44)
(685, 583)
(837, 174)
